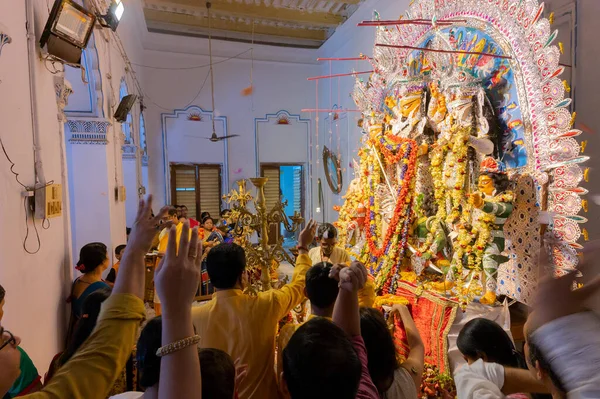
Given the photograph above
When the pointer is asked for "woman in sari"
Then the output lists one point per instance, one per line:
(93, 261)
(211, 237)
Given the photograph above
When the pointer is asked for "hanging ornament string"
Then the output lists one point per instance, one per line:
(210, 60)
(337, 128)
(248, 91)
(317, 119)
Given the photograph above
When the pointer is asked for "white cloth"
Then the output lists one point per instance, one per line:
(499, 314)
(571, 345)
(479, 380)
(128, 395)
(403, 386)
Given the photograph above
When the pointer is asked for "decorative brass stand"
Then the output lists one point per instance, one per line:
(262, 255)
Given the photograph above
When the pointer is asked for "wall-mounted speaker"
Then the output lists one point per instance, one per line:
(125, 107)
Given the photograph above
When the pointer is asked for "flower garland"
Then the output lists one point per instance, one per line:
(389, 300)
(409, 148)
(484, 226)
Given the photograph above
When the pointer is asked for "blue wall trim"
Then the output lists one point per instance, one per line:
(298, 118)
(175, 115)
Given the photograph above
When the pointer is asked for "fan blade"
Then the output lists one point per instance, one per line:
(231, 135)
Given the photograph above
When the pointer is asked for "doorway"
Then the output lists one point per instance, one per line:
(286, 183)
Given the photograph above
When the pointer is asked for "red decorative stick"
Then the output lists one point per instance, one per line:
(339, 74)
(344, 59)
(409, 22)
(445, 51)
(333, 111)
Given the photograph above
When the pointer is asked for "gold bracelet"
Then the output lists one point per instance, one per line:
(177, 346)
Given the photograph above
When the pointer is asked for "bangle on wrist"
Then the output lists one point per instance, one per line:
(302, 248)
(177, 346)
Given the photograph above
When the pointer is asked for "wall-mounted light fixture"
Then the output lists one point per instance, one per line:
(113, 16)
(67, 31)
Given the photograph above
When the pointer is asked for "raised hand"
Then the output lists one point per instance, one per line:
(178, 274)
(556, 298)
(145, 227)
(307, 235)
(131, 273)
(352, 278)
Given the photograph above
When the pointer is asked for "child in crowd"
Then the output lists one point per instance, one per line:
(329, 360)
(392, 379)
(494, 368)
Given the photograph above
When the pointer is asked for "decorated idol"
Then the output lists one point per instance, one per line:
(495, 204)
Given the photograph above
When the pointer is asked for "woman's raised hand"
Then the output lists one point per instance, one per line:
(178, 274)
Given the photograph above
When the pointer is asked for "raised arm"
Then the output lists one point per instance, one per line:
(345, 312)
(518, 380)
(290, 295)
(414, 363)
(177, 278)
(103, 356)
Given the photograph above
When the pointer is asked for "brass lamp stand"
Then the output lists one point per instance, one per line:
(263, 255)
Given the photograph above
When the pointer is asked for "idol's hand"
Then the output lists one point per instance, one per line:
(476, 200)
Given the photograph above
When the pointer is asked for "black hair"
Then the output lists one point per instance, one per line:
(86, 323)
(172, 211)
(225, 264)
(204, 214)
(381, 351)
(218, 374)
(225, 211)
(148, 343)
(500, 180)
(206, 219)
(481, 337)
(119, 249)
(127, 231)
(319, 362)
(321, 290)
(2, 293)
(536, 356)
(327, 228)
(91, 256)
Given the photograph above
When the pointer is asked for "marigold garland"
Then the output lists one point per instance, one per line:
(410, 148)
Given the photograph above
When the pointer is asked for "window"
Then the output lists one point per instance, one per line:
(198, 187)
(285, 184)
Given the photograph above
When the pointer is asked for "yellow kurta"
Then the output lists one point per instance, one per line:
(338, 256)
(366, 296)
(91, 372)
(245, 327)
(163, 238)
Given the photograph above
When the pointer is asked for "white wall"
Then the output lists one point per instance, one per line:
(277, 86)
(36, 285)
(348, 41)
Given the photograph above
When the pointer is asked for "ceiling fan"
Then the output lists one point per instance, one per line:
(213, 138)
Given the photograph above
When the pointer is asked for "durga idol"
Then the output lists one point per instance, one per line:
(495, 204)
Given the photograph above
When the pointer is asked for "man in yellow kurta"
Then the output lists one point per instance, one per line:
(245, 326)
(328, 251)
